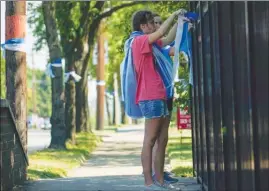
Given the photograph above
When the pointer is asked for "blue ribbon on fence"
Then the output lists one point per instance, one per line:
(191, 15)
(186, 42)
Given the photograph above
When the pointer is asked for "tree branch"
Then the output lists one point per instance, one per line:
(84, 19)
(114, 9)
(99, 5)
(64, 11)
(96, 22)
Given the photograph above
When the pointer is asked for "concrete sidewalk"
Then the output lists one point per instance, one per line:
(115, 165)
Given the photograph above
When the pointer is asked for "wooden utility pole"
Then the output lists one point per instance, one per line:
(16, 66)
(100, 80)
(33, 84)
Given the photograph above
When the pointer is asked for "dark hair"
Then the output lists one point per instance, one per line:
(155, 15)
(141, 17)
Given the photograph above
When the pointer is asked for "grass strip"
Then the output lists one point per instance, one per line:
(179, 150)
(51, 163)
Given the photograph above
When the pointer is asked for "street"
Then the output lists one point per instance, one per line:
(38, 140)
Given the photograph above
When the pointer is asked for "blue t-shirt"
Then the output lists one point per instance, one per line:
(167, 48)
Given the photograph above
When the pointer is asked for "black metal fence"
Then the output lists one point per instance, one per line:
(230, 95)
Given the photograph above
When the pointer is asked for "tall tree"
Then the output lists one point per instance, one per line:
(78, 24)
(58, 130)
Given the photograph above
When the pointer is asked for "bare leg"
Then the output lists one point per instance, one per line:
(152, 128)
(154, 150)
(162, 140)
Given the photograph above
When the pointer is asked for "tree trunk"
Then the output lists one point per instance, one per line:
(116, 100)
(108, 111)
(114, 111)
(85, 46)
(70, 111)
(135, 121)
(82, 106)
(86, 33)
(16, 67)
(58, 129)
(70, 98)
(83, 123)
(124, 119)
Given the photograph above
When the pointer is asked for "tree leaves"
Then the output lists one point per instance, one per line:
(3, 78)
(36, 22)
(75, 20)
(119, 29)
(182, 87)
(42, 92)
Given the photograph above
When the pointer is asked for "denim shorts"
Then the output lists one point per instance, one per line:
(153, 108)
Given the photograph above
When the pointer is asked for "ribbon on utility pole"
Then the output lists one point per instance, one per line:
(100, 83)
(14, 44)
(15, 33)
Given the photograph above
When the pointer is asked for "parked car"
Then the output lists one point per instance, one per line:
(34, 121)
(46, 125)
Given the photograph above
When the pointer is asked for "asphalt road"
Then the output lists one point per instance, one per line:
(38, 140)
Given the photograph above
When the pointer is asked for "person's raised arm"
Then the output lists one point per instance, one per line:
(170, 37)
(153, 37)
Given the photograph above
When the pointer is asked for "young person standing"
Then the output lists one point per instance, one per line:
(169, 50)
(151, 93)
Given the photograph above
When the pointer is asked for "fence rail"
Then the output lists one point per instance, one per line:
(230, 95)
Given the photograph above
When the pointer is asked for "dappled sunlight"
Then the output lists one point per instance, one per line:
(182, 155)
(181, 163)
(114, 165)
(51, 162)
(120, 182)
(67, 68)
(106, 183)
(115, 160)
(36, 173)
(179, 151)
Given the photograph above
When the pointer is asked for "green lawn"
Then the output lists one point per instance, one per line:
(50, 163)
(179, 150)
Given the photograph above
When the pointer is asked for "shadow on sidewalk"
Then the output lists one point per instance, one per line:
(101, 183)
